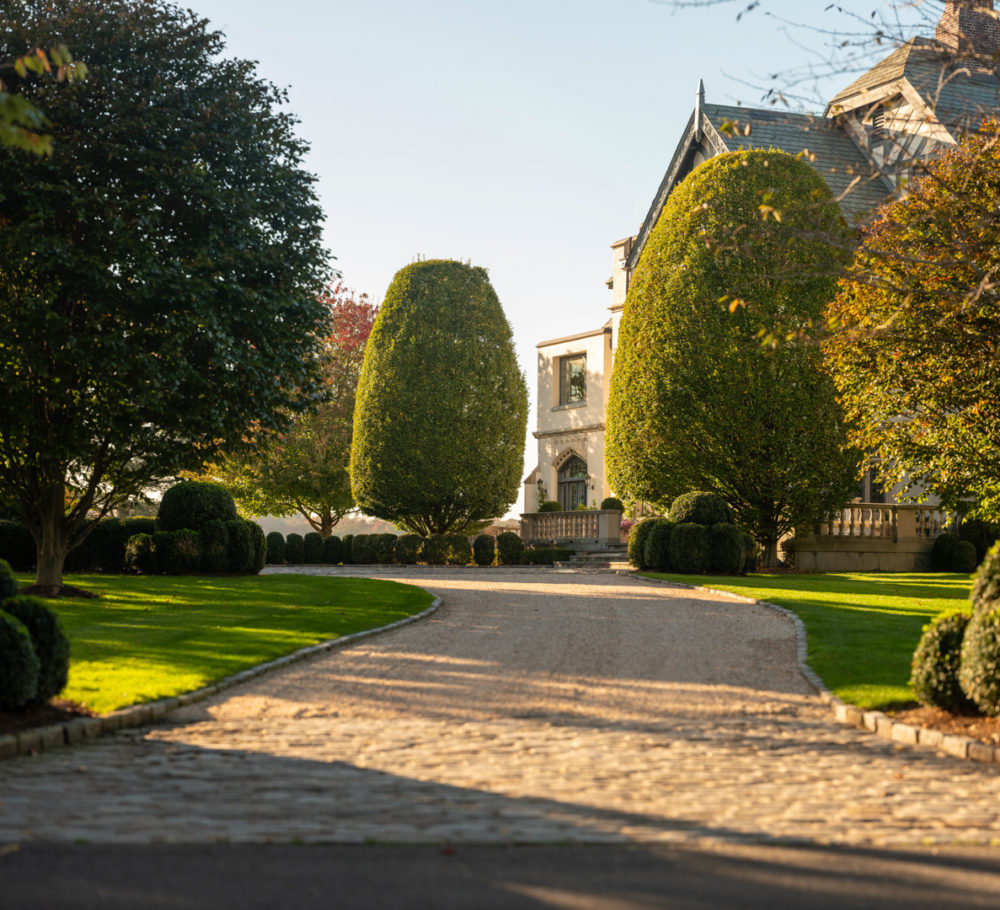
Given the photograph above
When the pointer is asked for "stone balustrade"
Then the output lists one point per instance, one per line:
(582, 529)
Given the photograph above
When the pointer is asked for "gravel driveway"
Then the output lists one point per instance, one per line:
(534, 706)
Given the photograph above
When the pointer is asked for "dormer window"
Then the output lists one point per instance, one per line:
(573, 379)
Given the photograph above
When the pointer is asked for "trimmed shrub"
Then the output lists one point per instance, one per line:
(459, 550)
(434, 550)
(979, 665)
(18, 664)
(295, 549)
(700, 507)
(139, 524)
(185, 552)
(986, 588)
(656, 551)
(725, 549)
(346, 543)
(191, 503)
(509, 547)
(550, 505)
(331, 550)
(161, 543)
(214, 546)
(275, 548)
(943, 551)
(139, 554)
(981, 534)
(259, 543)
(8, 583)
(751, 553)
(48, 639)
(934, 670)
(241, 551)
(689, 548)
(103, 549)
(313, 544)
(612, 504)
(544, 556)
(963, 558)
(483, 550)
(383, 545)
(637, 542)
(362, 549)
(17, 546)
(406, 549)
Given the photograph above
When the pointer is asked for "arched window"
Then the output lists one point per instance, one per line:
(573, 484)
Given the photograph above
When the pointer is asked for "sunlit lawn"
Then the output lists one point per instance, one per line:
(150, 637)
(862, 628)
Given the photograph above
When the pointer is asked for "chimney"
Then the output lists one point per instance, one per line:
(969, 27)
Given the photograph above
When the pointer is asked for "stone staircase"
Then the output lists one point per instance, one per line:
(611, 558)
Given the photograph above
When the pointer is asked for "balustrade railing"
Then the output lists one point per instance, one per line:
(580, 526)
(892, 521)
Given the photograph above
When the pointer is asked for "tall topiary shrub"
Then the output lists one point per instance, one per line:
(276, 548)
(935, 665)
(18, 664)
(979, 667)
(332, 550)
(689, 548)
(441, 406)
(295, 549)
(191, 503)
(313, 543)
(49, 641)
(483, 550)
(509, 547)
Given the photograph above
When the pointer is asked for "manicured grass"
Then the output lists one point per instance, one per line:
(862, 628)
(153, 637)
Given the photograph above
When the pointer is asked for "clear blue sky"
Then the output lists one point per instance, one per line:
(523, 135)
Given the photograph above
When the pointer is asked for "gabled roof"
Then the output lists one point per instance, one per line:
(725, 128)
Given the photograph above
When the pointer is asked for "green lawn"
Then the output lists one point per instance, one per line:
(151, 637)
(862, 628)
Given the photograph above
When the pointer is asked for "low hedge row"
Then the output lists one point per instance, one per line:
(236, 547)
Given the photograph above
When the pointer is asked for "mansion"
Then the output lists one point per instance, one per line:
(922, 96)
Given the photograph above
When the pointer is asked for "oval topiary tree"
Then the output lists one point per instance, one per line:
(442, 406)
(934, 669)
(313, 542)
(483, 550)
(295, 549)
(276, 548)
(612, 504)
(718, 272)
(49, 641)
(193, 503)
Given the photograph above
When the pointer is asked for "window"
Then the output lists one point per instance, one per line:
(573, 484)
(572, 379)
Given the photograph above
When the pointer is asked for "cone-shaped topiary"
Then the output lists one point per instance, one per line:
(50, 643)
(934, 670)
(442, 405)
(18, 664)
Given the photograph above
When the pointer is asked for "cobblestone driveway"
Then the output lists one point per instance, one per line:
(533, 706)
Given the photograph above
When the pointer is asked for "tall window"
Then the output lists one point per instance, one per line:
(572, 378)
(573, 484)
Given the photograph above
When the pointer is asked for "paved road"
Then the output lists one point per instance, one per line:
(534, 707)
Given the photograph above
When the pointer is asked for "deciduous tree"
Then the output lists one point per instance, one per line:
(442, 406)
(157, 272)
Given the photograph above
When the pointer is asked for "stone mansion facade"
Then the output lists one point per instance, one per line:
(921, 97)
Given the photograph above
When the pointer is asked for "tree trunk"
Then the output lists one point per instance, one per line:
(51, 542)
(770, 554)
(326, 523)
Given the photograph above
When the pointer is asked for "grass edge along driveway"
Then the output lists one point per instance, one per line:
(862, 628)
(151, 637)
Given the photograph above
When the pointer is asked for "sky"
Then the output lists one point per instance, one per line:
(522, 135)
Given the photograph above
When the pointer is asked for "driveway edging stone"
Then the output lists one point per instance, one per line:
(38, 739)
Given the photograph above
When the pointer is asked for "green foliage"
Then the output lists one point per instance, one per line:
(295, 549)
(915, 329)
(442, 406)
(185, 551)
(986, 588)
(18, 664)
(656, 550)
(192, 503)
(751, 553)
(139, 554)
(637, 542)
(332, 550)
(697, 401)
(483, 550)
(689, 548)
(314, 548)
(214, 546)
(544, 556)
(982, 534)
(17, 545)
(701, 507)
(48, 639)
(406, 549)
(241, 549)
(8, 583)
(726, 549)
(612, 504)
(160, 547)
(459, 550)
(934, 672)
(979, 667)
(383, 547)
(276, 548)
(346, 545)
(363, 549)
(434, 550)
(259, 547)
(549, 505)
(943, 551)
(509, 547)
(964, 558)
(160, 266)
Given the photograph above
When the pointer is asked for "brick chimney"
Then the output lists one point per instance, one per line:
(970, 27)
